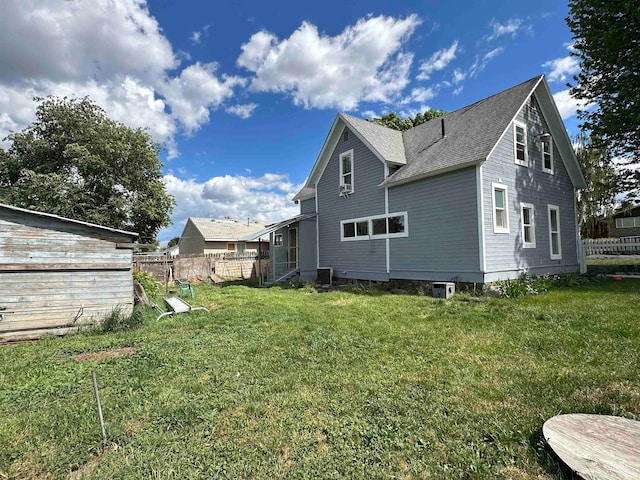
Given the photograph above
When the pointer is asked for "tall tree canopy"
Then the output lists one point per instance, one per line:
(597, 201)
(76, 162)
(607, 42)
(392, 120)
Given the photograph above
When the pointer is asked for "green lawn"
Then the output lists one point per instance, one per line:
(284, 383)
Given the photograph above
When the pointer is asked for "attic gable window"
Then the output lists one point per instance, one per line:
(547, 156)
(520, 143)
(346, 172)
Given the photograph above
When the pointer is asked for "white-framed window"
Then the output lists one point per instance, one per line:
(277, 240)
(527, 219)
(231, 247)
(346, 172)
(379, 226)
(500, 208)
(628, 222)
(547, 155)
(555, 245)
(520, 143)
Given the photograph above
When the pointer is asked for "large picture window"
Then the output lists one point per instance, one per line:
(500, 210)
(555, 245)
(379, 226)
(346, 172)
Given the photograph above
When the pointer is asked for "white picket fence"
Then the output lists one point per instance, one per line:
(611, 246)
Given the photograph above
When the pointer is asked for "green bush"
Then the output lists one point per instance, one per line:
(149, 283)
(523, 286)
(117, 321)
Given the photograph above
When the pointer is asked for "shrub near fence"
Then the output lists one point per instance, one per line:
(611, 246)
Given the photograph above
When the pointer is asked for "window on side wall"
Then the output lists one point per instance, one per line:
(520, 143)
(346, 172)
(547, 156)
(231, 247)
(277, 240)
(500, 210)
(528, 225)
(555, 245)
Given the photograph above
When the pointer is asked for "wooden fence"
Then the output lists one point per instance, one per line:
(202, 268)
(612, 246)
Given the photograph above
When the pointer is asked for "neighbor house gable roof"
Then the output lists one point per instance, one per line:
(224, 229)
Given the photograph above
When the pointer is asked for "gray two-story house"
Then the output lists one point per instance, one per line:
(486, 192)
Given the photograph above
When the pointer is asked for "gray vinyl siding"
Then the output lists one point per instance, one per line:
(307, 257)
(363, 259)
(308, 206)
(505, 255)
(191, 240)
(443, 228)
(57, 275)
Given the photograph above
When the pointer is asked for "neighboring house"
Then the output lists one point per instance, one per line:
(172, 251)
(625, 223)
(220, 236)
(484, 193)
(57, 273)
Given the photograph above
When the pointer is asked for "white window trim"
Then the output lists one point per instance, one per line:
(636, 222)
(542, 144)
(557, 256)
(371, 235)
(530, 206)
(278, 239)
(348, 153)
(494, 187)
(524, 163)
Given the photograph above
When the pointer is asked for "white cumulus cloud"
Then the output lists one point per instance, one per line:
(438, 61)
(512, 27)
(243, 111)
(116, 53)
(363, 63)
(567, 105)
(560, 69)
(195, 91)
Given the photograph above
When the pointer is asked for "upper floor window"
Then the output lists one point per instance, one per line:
(277, 240)
(520, 142)
(547, 155)
(346, 172)
(500, 212)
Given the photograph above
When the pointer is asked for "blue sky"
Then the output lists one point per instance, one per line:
(243, 93)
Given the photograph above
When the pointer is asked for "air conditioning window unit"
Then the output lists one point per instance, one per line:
(345, 188)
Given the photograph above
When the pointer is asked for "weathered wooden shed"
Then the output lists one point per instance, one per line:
(57, 273)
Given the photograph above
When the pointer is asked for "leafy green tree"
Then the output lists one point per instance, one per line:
(173, 241)
(597, 201)
(392, 120)
(76, 162)
(607, 42)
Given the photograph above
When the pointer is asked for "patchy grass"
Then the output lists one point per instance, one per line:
(286, 383)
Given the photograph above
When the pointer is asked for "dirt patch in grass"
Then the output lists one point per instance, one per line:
(88, 467)
(105, 354)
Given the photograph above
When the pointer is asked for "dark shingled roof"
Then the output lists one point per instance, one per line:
(470, 134)
(386, 142)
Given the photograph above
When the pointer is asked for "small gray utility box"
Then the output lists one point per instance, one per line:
(443, 289)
